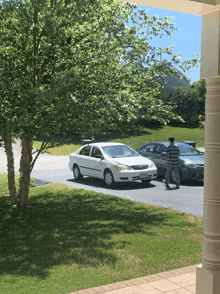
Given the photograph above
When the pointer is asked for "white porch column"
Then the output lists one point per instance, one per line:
(208, 274)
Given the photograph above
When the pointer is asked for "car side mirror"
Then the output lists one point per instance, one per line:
(163, 153)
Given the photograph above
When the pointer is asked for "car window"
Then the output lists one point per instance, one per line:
(85, 151)
(159, 149)
(119, 151)
(148, 148)
(96, 151)
(187, 150)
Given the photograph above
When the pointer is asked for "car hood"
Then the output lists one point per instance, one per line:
(133, 160)
(197, 159)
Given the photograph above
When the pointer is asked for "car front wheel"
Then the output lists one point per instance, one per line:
(76, 173)
(108, 178)
(174, 178)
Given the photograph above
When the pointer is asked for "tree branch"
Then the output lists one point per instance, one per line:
(43, 145)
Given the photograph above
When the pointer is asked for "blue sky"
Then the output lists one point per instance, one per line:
(186, 40)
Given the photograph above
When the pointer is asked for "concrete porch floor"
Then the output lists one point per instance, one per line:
(178, 281)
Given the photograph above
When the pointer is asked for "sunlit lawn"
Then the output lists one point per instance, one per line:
(137, 140)
(74, 239)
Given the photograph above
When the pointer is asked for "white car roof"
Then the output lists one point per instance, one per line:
(104, 144)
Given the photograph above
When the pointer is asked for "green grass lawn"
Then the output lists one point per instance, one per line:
(4, 183)
(136, 140)
(75, 239)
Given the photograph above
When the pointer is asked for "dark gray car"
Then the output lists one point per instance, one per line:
(191, 159)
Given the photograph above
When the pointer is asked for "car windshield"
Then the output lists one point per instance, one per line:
(119, 151)
(187, 150)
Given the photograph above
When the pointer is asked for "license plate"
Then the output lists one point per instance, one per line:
(143, 175)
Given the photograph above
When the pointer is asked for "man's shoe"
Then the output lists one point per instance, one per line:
(177, 186)
(168, 187)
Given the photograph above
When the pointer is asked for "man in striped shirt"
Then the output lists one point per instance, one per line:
(172, 163)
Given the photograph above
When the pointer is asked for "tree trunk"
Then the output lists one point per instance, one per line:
(10, 160)
(25, 170)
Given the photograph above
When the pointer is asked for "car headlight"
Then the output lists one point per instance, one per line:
(190, 164)
(152, 164)
(123, 167)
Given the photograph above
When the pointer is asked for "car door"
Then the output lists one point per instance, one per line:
(96, 163)
(147, 150)
(83, 161)
(159, 158)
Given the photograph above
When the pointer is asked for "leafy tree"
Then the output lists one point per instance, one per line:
(189, 102)
(74, 66)
(201, 95)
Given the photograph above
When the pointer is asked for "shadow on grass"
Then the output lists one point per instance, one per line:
(118, 135)
(69, 227)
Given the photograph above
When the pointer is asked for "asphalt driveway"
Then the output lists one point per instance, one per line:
(44, 161)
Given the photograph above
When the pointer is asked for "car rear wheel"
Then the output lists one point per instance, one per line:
(76, 173)
(108, 178)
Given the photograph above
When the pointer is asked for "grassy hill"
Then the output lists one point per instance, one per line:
(136, 139)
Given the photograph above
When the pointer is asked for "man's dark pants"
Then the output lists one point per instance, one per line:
(171, 168)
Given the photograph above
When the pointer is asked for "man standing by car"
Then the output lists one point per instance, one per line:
(172, 163)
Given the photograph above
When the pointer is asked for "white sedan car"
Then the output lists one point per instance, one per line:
(113, 162)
